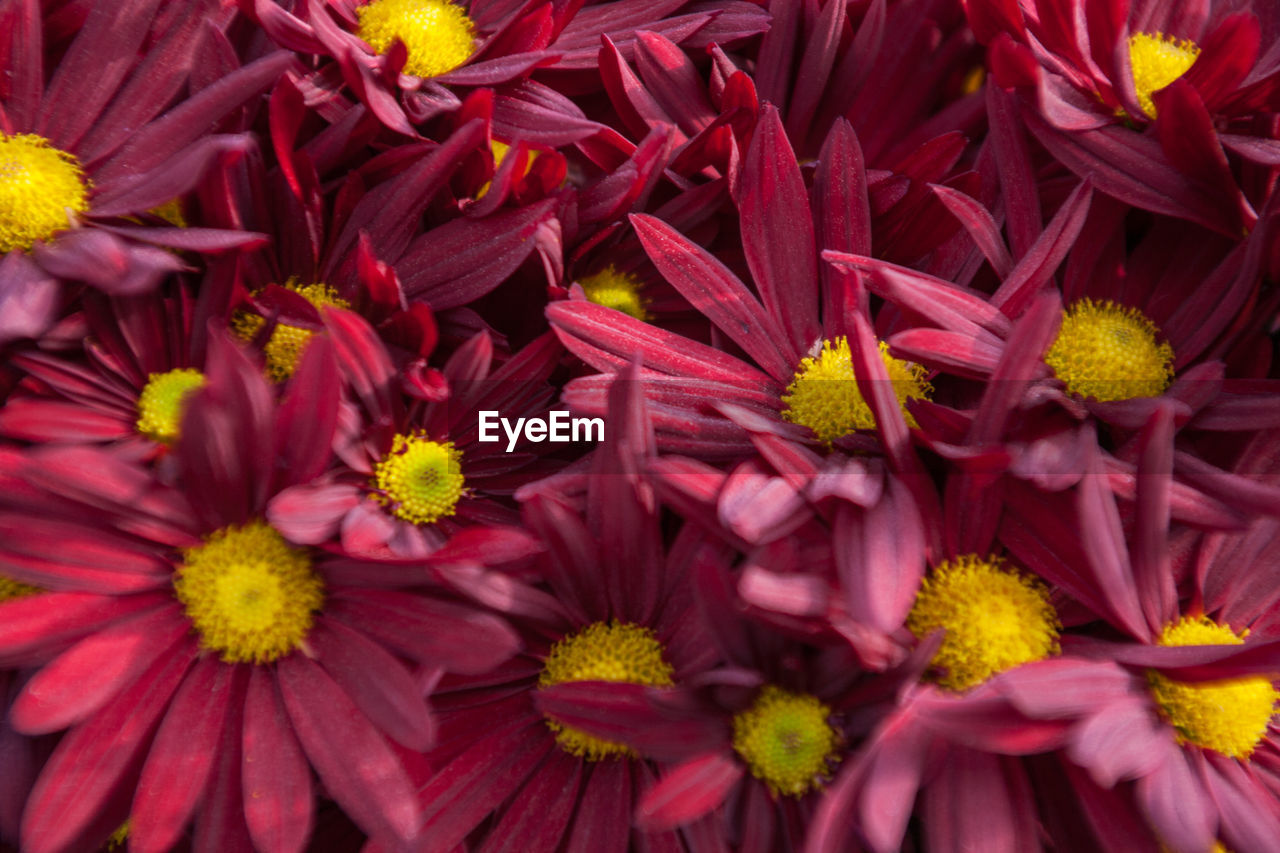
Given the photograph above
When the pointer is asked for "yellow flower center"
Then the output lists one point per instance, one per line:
(824, 395)
(617, 290)
(1157, 60)
(994, 619)
(1107, 352)
(438, 34)
(249, 594)
(419, 480)
(787, 740)
(287, 343)
(163, 400)
(41, 191)
(171, 212)
(1228, 716)
(11, 589)
(614, 651)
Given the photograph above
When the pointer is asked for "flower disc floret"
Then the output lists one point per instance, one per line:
(1107, 352)
(617, 290)
(438, 34)
(994, 618)
(787, 740)
(621, 652)
(42, 190)
(1229, 716)
(1157, 60)
(163, 400)
(419, 480)
(287, 343)
(824, 394)
(249, 594)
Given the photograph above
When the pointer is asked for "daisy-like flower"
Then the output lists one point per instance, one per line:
(380, 262)
(1197, 77)
(415, 470)
(204, 664)
(809, 351)
(131, 390)
(101, 143)
(405, 59)
(514, 768)
(1121, 342)
(1186, 707)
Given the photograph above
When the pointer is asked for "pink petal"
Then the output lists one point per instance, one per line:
(688, 791)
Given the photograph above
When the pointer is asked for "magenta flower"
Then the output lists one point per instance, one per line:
(515, 765)
(1197, 76)
(101, 143)
(414, 471)
(203, 664)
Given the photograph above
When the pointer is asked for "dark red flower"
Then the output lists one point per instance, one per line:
(101, 143)
(202, 663)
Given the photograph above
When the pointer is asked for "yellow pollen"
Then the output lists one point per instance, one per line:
(1107, 352)
(787, 741)
(42, 190)
(419, 480)
(1229, 716)
(119, 837)
(500, 150)
(11, 589)
(617, 290)
(1157, 60)
(994, 618)
(163, 401)
(249, 594)
(171, 212)
(438, 34)
(614, 651)
(973, 80)
(287, 343)
(824, 395)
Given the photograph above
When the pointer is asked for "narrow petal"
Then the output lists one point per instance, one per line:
(688, 791)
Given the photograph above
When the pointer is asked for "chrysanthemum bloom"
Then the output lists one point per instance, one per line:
(1121, 341)
(405, 59)
(88, 150)
(1200, 77)
(146, 356)
(807, 347)
(1195, 727)
(380, 262)
(202, 663)
(955, 737)
(414, 470)
(615, 619)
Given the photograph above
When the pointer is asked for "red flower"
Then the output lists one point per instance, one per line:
(414, 470)
(202, 662)
(98, 141)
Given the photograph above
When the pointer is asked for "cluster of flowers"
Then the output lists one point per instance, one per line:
(938, 503)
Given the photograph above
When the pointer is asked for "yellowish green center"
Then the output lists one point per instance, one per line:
(824, 395)
(1157, 60)
(1229, 716)
(993, 618)
(787, 740)
(42, 190)
(163, 401)
(287, 343)
(249, 594)
(11, 589)
(1108, 352)
(617, 290)
(604, 651)
(438, 34)
(419, 480)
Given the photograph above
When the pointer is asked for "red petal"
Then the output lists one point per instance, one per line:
(278, 800)
(688, 791)
(357, 767)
